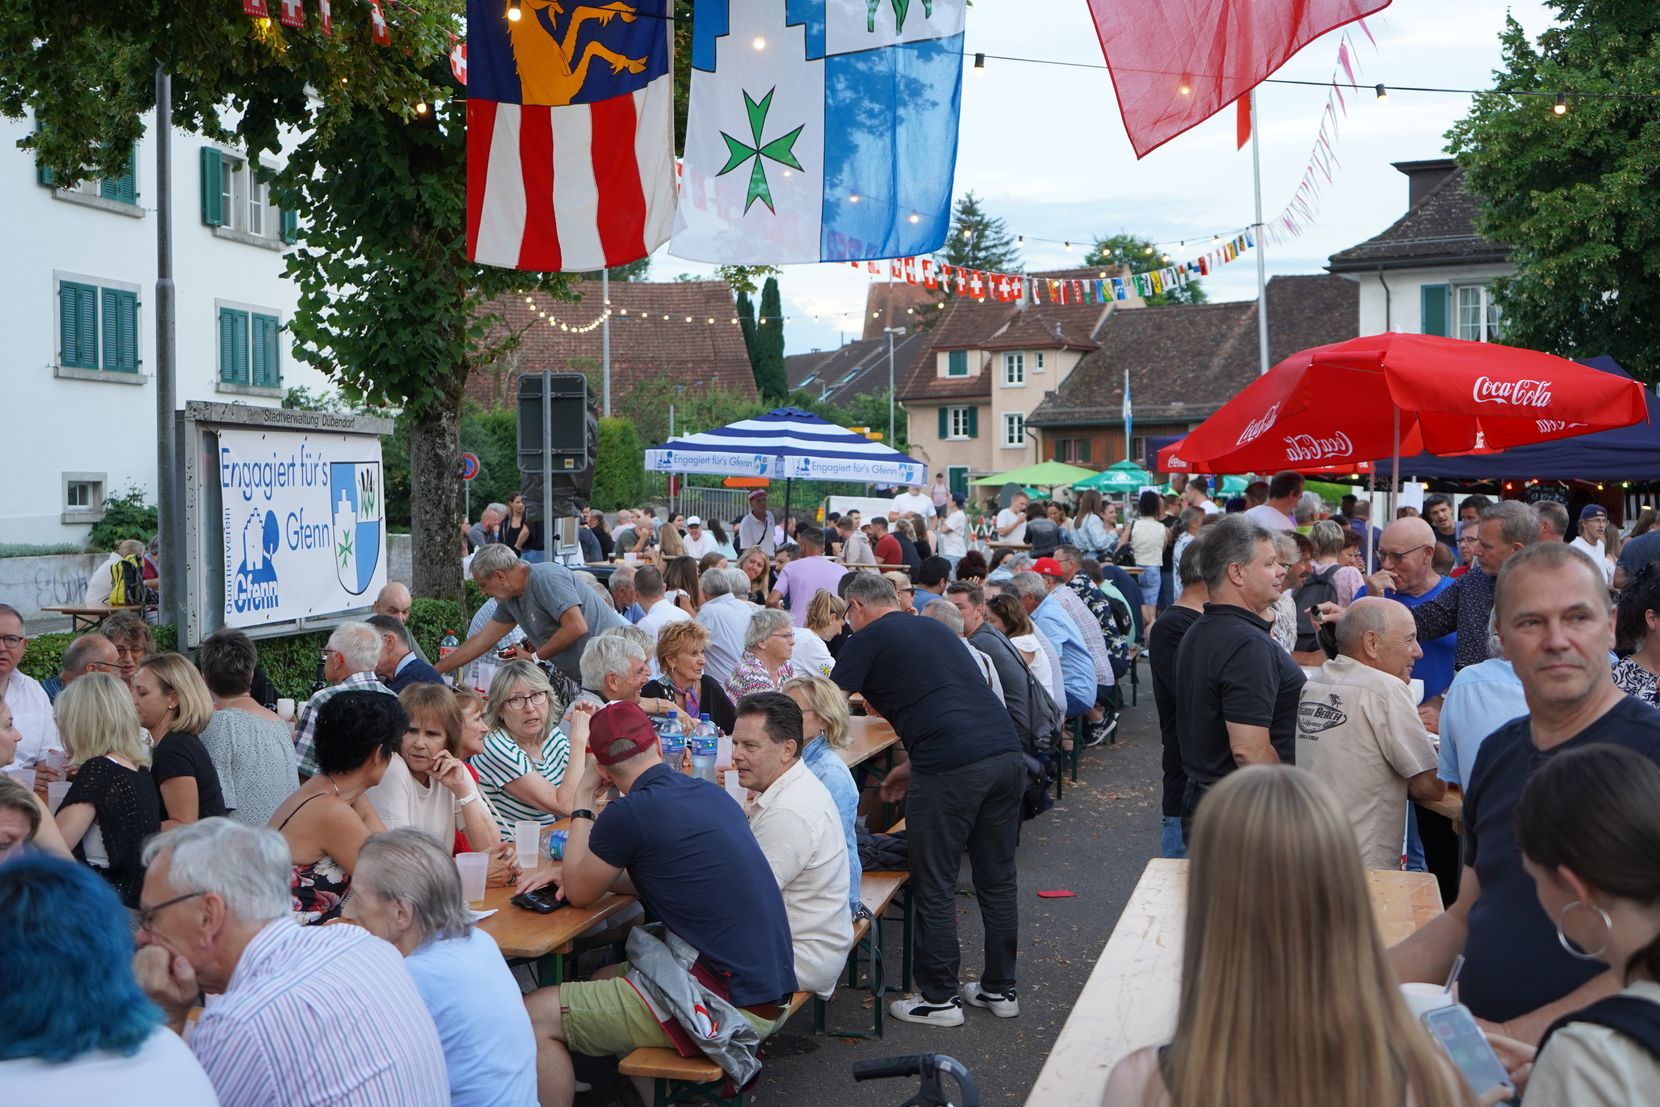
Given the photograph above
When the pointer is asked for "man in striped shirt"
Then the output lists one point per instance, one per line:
(349, 662)
(303, 1015)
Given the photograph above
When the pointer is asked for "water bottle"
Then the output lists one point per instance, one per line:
(322, 680)
(448, 645)
(673, 738)
(705, 743)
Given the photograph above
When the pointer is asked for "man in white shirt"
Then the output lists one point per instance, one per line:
(659, 610)
(1283, 493)
(726, 615)
(758, 527)
(1197, 494)
(953, 531)
(1593, 526)
(911, 502)
(698, 540)
(795, 821)
(31, 708)
(1011, 522)
(1359, 731)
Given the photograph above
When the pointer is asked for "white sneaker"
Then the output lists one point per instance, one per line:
(1004, 1005)
(913, 1008)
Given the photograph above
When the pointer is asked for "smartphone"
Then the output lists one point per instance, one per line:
(543, 901)
(1455, 1031)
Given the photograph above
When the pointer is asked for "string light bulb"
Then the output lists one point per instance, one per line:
(421, 107)
(979, 65)
(1020, 240)
(1186, 87)
(1383, 94)
(915, 218)
(1561, 107)
(513, 12)
(759, 42)
(1068, 247)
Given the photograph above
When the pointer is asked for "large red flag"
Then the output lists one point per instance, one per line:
(1176, 63)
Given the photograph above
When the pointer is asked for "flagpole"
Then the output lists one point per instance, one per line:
(1262, 262)
(605, 330)
(1129, 418)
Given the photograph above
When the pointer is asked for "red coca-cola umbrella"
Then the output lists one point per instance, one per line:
(1331, 407)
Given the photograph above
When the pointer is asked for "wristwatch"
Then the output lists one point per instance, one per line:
(583, 813)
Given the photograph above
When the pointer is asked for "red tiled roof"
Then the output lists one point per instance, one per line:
(856, 369)
(1439, 229)
(644, 345)
(885, 304)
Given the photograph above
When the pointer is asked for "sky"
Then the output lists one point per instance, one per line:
(1043, 148)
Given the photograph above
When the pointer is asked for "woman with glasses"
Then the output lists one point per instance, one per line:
(526, 769)
(765, 664)
(133, 642)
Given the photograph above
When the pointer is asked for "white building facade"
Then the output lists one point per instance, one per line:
(80, 321)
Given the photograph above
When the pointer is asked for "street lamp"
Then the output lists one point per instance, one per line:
(890, 332)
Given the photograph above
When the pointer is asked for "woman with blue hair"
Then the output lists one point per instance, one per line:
(82, 1029)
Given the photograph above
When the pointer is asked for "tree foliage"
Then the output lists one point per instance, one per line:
(1574, 195)
(619, 468)
(1143, 256)
(746, 324)
(771, 380)
(979, 241)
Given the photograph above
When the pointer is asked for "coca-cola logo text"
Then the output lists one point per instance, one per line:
(1258, 427)
(1522, 393)
(1306, 447)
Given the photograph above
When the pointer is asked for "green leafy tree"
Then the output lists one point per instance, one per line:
(1143, 256)
(770, 378)
(1574, 194)
(980, 241)
(746, 323)
(619, 467)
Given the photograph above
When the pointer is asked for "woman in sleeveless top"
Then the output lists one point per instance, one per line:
(1287, 998)
(326, 821)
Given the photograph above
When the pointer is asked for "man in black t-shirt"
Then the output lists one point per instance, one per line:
(1239, 688)
(965, 778)
(1556, 628)
(1163, 642)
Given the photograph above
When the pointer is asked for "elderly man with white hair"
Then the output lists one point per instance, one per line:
(349, 662)
(487, 531)
(303, 1015)
(406, 891)
(726, 613)
(614, 667)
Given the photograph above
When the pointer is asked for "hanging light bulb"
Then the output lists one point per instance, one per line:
(1561, 107)
(1186, 87)
(1383, 94)
(853, 198)
(979, 65)
(915, 218)
(1068, 247)
(1020, 240)
(513, 12)
(1147, 250)
(758, 42)
(421, 108)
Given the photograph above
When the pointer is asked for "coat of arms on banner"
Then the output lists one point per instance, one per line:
(359, 522)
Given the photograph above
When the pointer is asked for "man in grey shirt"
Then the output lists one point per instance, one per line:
(557, 612)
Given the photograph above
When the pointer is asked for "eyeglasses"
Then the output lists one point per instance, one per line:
(1399, 555)
(103, 666)
(531, 699)
(12, 641)
(147, 915)
(129, 651)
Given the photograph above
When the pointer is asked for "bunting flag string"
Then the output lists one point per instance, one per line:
(1302, 210)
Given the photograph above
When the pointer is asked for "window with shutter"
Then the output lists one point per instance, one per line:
(974, 422)
(956, 363)
(267, 370)
(945, 422)
(233, 346)
(77, 325)
(123, 189)
(291, 227)
(1435, 300)
(120, 330)
(213, 206)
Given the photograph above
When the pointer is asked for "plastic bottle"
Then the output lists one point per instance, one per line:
(673, 738)
(705, 743)
(448, 644)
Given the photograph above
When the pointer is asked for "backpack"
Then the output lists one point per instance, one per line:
(1632, 1016)
(1317, 588)
(127, 583)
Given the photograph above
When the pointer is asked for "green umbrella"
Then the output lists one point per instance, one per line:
(1045, 474)
(1126, 476)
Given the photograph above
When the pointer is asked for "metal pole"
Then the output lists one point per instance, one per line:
(169, 499)
(547, 466)
(605, 338)
(671, 475)
(890, 387)
(1262, 262)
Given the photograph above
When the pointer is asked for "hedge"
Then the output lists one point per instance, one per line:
(290, 662)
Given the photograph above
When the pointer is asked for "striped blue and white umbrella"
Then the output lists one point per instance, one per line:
(786, 444)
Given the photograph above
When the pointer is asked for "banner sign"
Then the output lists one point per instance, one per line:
(304, 524)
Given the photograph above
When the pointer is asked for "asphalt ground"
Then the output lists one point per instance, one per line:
(1094, 843)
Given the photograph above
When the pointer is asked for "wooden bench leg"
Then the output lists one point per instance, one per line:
(872, 941)
(666, 1093)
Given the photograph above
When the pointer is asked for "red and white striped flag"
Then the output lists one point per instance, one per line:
(568, 172)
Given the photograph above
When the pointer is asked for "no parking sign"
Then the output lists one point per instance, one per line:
(469, 466)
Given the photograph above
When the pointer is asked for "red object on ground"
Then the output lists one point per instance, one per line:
(1331, 407)
(1059, 893)
(1176, 63)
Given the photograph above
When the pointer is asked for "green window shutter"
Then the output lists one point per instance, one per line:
(1437, 310)
(957, 363)
(290, 226)
(45, 176)
(256, 353)
(974, 422)
(945, 422)
(266, 365)
(78, 325)
(120, 330)
(123, 189)
(233, 346)
(213, 210)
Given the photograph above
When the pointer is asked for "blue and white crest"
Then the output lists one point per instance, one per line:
(359, 522)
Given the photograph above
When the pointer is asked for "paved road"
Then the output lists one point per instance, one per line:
(1095, 843)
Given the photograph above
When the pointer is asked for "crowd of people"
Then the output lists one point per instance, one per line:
(1470, 648)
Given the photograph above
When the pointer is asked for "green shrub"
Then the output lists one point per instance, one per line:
(429, 619)
(290, 662)
(125, 516)
(25, 549)
(619, 468)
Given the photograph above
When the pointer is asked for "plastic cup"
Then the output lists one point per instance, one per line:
(25, 777)
(56, 760)
(285, 710)
(1417, 690)
(55, 791)
(527, 842)
(1422, 997)
(734, 789)
(475, 867)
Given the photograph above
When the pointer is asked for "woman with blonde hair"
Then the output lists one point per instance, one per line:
(682, 656)
(1287, 999)
(826, 726)
(826, 615)
(669, 544)
(174, 705)
(526, 769)
(111, 806)
(757, 567)
(905, 590)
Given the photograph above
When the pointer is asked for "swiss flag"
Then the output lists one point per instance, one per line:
(326, 14)
(910, 270)
(382, 34)
(293, 13)
(1209, 54)
(255, 8)
(928, 279)
(976, 283)
(963, 277)
(458, 61)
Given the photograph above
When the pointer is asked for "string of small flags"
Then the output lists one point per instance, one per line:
(978, 284)
(1304, 206)
(291, 13)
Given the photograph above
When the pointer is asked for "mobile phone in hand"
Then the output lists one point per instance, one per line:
(1455, 1031)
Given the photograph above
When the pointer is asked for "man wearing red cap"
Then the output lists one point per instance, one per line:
(686, 850)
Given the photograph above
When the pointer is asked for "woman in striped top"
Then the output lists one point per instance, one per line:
(525, 768)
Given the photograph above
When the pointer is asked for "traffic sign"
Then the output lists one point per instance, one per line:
(469, 466)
